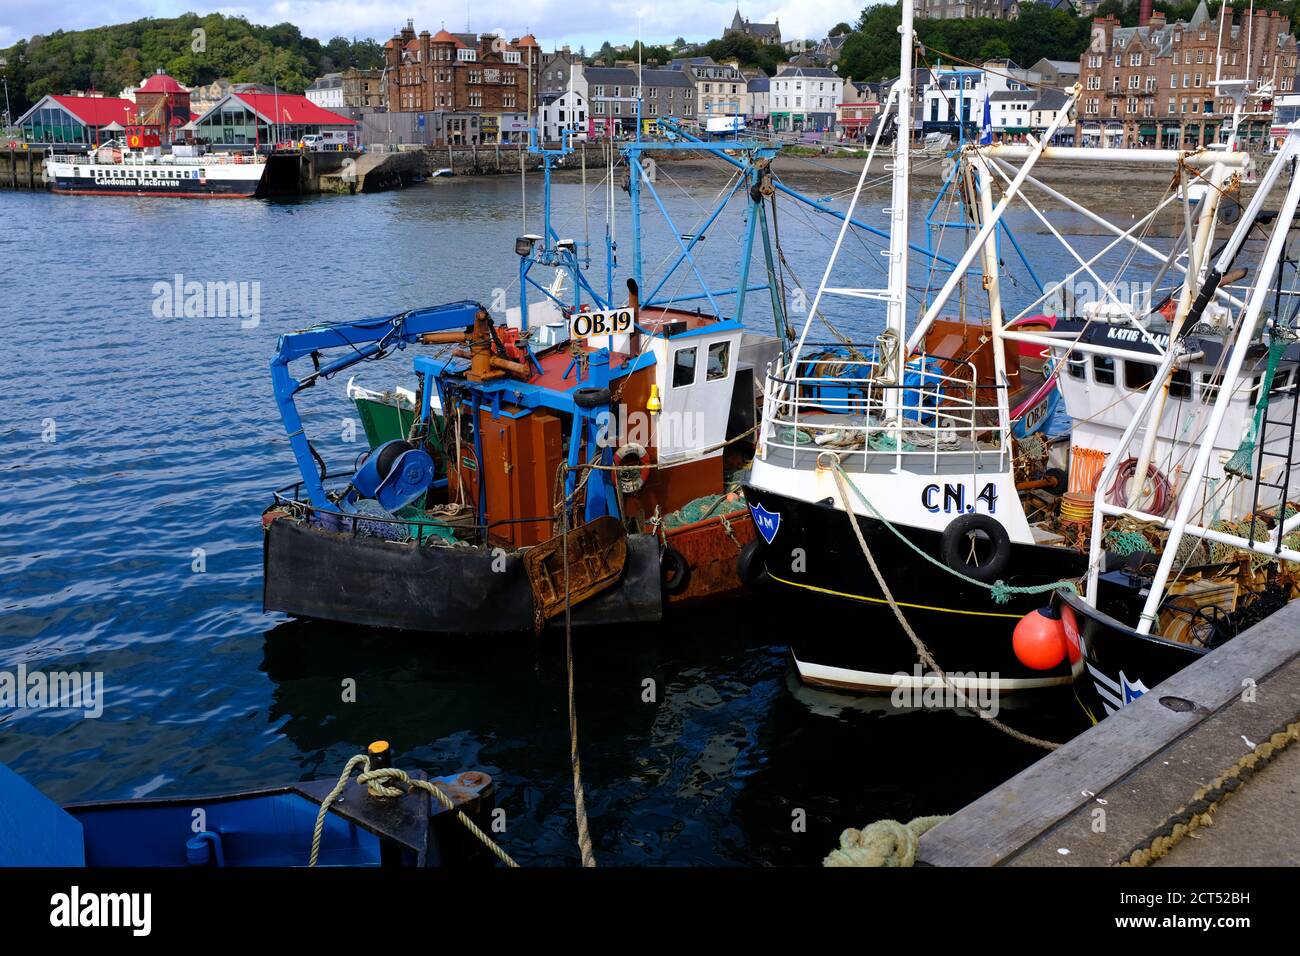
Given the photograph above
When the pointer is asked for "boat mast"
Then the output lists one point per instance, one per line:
(896, 295)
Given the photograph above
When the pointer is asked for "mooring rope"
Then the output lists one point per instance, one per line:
(922, 651)
(579, 792)
(1000, 591)
(1199, 811)
(374, 782)
(883, 843)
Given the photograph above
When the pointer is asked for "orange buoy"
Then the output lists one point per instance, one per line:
(1039, 640)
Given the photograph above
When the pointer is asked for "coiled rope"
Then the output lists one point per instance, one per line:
(883, 843)
(374, 782)
(1000, 591)
(922, 651)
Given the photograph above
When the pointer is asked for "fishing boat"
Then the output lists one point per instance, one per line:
(578, 457)
(263, 826)
(936, 436)
(1208, 546)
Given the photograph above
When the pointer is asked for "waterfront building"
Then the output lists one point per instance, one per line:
(758, 101)
(327, 91)
(563, 110)
(1043, 113)
(611, 93)
(484, 75)
(349, 89)
(240, 121)
(1152, 85)
(767, 34)
(1056, 74)
(556, 70)
(859, 104)
(805, 99)
(74, 122)
(720, 88)
(954, 97)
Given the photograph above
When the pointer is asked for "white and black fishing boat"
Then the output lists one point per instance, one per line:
(930, 437)
(927, 431)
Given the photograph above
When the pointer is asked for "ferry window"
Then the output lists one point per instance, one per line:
(1180, 384)
(684, 367)
(1138, 375)
(1103, 370)
(719, 360)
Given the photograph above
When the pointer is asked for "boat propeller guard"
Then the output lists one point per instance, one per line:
(597, 555)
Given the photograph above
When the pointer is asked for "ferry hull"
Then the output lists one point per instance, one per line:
(857, 642)
(226, 181)
(367, 581)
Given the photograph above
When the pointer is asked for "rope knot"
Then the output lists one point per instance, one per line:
(373, 781)
(1000, 592)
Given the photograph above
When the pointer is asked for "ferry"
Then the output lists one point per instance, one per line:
(187, 171)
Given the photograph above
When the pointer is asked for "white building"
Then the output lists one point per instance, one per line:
(327, 91)
(805, 98)
(956, 95)
(566, 109)
(1010, 112)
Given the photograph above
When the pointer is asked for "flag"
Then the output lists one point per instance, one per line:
(986, 132)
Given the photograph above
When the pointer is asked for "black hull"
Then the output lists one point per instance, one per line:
(1112, 663)
(853, 639)
(355, 579)
(184, 189)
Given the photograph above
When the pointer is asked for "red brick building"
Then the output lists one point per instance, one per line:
(486, 87)
(1151, 85)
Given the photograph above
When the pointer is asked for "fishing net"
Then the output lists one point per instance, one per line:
(1242, 461)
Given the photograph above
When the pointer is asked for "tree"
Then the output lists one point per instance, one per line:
(995, 49)
(840, 29)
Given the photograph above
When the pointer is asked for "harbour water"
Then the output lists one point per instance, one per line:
(140, 447)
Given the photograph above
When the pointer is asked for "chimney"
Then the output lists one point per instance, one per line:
(424, 46)
(1157, 19)
(1144, 13)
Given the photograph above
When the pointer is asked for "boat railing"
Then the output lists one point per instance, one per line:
(427, 530)
(149, 162)
(929, 415)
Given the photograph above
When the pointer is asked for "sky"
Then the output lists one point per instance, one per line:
(554, 22)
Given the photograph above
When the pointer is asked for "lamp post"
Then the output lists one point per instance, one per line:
(4, 77)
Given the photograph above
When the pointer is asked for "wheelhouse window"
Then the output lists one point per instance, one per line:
(1138, 375)
(1103, 370)
(1077, 367)
(1180, 385)
(719, 361)
(684, 367)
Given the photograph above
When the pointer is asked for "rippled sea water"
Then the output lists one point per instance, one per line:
(134, 443)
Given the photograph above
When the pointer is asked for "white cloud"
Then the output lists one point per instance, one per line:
(554, 22)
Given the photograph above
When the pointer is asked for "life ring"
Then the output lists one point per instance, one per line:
(750, 567)
(957, 544)
(674, 572)
(632, 478)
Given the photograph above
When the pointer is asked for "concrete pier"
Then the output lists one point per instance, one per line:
(1137, 775)
(22, 168)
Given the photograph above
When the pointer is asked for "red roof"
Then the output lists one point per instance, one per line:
(442, 36)
(526, 40)
(161, 83)
(98, 110)
(293, 110)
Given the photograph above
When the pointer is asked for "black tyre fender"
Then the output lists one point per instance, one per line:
(674, 572)
(591, 397)
(750, 567)
(1060, 481)
(954, 546)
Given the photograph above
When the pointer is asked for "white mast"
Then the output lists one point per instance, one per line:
(896, 313)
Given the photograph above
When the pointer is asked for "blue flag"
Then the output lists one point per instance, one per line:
(986, 134)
